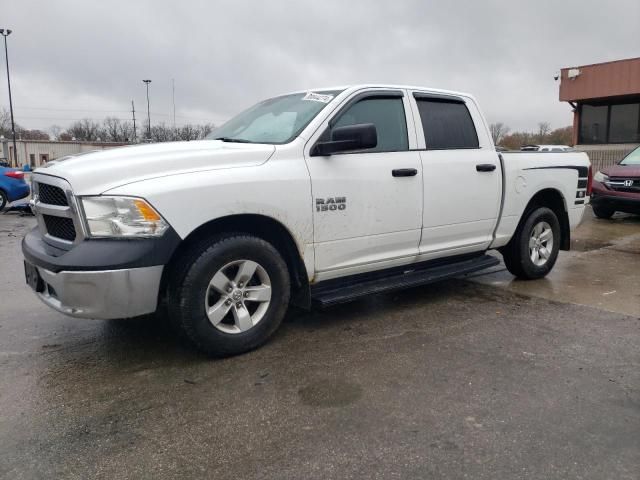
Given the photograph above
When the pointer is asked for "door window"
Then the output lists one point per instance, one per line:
(387, 114)
(446, 124)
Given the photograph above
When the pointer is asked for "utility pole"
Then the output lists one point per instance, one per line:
(147, 82)
(5, 34)
(133, 112)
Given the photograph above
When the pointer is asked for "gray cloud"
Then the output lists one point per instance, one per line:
(73, 59)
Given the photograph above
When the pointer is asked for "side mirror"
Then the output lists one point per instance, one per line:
(349, 137)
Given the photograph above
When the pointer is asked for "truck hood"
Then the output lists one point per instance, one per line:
(93, 173)
(627, 171)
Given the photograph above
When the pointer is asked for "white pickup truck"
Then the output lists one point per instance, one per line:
(314, 197)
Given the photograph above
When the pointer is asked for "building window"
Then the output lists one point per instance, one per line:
(623, 126)
(617, 123)
(593, 124)
(44, 158)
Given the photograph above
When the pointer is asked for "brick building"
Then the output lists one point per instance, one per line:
(606, 102)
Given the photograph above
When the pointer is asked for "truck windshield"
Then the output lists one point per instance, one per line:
(633, 158)
(276, 120)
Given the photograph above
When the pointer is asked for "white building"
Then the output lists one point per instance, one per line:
(36, 152)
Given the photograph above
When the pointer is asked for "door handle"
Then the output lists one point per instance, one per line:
(485, 167)
(404, 172)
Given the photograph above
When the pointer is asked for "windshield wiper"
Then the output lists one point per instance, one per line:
(233, 140)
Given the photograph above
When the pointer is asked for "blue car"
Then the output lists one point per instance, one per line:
(12, 186)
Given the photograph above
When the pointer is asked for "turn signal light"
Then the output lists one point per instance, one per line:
(148, 213)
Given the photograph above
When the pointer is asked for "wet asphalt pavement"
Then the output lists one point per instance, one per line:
(484, 378)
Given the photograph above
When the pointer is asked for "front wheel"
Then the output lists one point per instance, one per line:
(602, 212)
(533, 250)
(230, 294)
(3, 200)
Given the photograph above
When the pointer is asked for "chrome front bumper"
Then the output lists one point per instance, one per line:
(102, 294)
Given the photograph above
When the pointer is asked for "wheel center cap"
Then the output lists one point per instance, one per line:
(236, 295)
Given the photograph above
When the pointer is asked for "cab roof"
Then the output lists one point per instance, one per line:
(355, 87)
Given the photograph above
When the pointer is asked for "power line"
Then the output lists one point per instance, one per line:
(37, 117)
(70, 109)
(162, 114)
(31, 117)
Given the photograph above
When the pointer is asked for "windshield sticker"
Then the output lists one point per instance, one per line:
(317, 97)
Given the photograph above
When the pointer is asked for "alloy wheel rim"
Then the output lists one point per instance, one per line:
(541, 243)
(238, 296)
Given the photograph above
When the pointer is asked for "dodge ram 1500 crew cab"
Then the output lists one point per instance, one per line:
(318, 196)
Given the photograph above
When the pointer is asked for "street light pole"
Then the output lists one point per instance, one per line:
(5, 34)
(147, 82)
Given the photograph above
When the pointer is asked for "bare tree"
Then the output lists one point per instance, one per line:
(116, 130)
(126, 132)
(24, 134)
(5, 123)
(543, 130)
(498, 132)
(85, 130)
(188, 132)
(561, 136)
(111, 127)
(162, 133)
(206, 129)
(55, 131)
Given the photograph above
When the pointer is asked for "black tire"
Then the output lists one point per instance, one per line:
(602, 212)
(187, 290)
(3, 200)
(516, 254)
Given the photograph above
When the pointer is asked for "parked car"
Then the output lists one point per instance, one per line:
(315, 197)
(12, 186)
(546, 148)
(617, 188)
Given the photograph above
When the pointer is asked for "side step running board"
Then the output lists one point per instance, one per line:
(350, 288)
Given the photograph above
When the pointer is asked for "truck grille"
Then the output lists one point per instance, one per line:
(55, 209)
(52, 195)
(60, 227)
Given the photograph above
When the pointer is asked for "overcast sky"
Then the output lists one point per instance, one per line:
(76, 59)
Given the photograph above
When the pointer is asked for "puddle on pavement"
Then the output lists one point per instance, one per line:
(330, 393)
(628, 248)
(587, 245)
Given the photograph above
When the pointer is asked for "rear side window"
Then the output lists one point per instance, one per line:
(387, 114)
(447, 124)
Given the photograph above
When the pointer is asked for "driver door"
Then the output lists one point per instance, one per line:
(367, 208)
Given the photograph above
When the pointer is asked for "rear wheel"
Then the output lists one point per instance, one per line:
(533, 250)
(3, 200)
(230, 294)
(602, 212)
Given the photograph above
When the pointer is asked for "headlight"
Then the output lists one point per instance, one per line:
(122, 217)
(600, 177)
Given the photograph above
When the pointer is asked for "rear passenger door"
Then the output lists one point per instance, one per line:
(462, 176)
